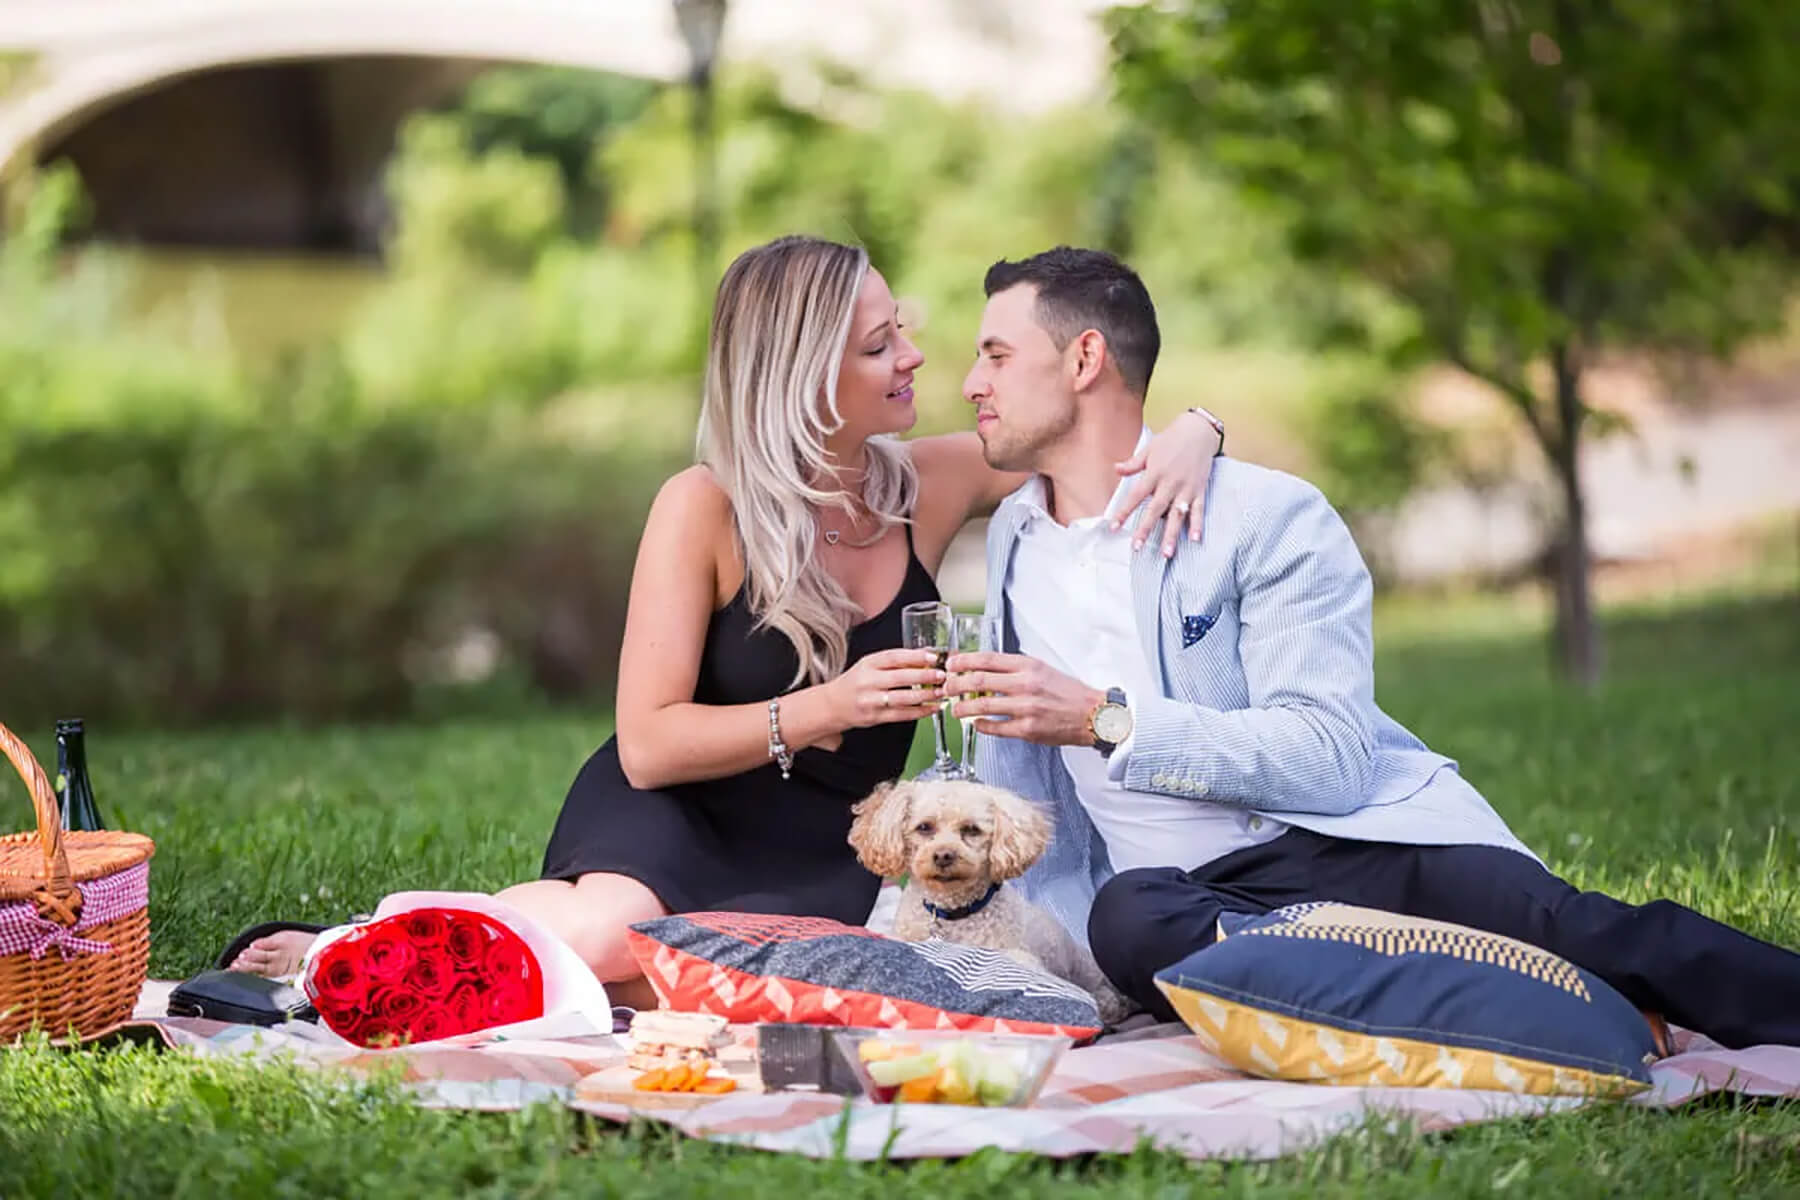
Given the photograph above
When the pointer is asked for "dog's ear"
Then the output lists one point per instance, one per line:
(1020, 834)
(879, 831)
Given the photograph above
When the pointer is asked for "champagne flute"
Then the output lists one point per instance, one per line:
(972, 632)
(927, 626)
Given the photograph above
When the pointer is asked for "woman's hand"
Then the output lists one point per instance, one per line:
(1176, 464)
(883, 687)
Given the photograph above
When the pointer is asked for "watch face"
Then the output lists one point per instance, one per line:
(1113, 723)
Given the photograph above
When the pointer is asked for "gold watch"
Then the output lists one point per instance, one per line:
(1110, 722)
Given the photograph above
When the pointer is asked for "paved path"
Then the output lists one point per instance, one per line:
(1745, 466)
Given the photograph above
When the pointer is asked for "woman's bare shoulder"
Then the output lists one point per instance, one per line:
(693, 501)
(695, 489)
(693, 513)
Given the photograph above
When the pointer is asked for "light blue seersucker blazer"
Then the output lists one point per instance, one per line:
(1260, 636)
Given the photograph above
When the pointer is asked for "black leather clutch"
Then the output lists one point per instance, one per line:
(240, 998)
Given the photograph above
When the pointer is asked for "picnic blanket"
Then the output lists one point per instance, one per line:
(1155, 1085)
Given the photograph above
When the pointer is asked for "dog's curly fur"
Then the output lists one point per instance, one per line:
(953, 838)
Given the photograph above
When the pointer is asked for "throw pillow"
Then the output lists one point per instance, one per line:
(750, 967)
(1333, 993)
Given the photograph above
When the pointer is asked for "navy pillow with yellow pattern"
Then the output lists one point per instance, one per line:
(1333, 993)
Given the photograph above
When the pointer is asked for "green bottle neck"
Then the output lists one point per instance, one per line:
(72, 751)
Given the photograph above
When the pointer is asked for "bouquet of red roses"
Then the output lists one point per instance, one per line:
(424, 974)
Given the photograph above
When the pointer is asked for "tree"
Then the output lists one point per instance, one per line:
(1530, 183)
(563, 114)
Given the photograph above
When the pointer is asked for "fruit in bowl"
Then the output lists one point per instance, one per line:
(995, 1070)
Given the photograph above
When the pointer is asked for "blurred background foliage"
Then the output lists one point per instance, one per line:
(203, 517)
(386, 491)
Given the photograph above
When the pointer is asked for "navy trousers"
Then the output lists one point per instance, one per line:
(1663, 957)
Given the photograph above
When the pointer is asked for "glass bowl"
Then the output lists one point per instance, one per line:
(1004, 1070)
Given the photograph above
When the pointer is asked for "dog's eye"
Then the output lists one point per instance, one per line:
(970, 831)
(922, 827)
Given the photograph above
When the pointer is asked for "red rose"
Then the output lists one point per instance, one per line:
(427, 926)
(530, 977)
(509, 1002)
(354, 1027)
(467, 941)
(510, 960)
(397, 1004)
(431, 977)
(434, 1023)
(505, 962)
(388, 955)
(465, 1005)
(337, 981)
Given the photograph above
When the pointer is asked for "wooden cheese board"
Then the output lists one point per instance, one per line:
(612, 1085)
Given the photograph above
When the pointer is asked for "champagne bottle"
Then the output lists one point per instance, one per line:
(78, 808)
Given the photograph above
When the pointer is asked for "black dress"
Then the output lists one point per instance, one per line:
(753, 842)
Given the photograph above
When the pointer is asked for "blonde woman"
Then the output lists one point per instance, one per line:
(762, 687)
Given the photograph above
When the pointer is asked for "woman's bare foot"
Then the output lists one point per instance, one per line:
(276, 955)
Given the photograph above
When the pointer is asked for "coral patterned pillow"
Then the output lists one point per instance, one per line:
(749, 967)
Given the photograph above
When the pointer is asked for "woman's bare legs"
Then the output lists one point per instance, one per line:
(591, 914)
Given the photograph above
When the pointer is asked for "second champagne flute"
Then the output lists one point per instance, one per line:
(927, 626)
(972, 632)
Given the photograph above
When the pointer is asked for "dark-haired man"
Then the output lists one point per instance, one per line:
(1204, 728)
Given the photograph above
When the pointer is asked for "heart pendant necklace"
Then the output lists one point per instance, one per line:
(831, 537)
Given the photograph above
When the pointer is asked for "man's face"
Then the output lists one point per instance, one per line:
(1021, 385)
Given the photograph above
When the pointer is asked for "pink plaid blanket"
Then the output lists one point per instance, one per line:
(1157, 1085)
(1167, 1090)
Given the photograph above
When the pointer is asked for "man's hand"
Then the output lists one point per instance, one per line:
(1041, 704)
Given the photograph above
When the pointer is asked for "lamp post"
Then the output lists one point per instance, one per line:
(701, 23)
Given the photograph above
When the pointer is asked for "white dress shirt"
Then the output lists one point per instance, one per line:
(1069, 592)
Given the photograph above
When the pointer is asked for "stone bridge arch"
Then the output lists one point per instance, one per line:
(266, 122)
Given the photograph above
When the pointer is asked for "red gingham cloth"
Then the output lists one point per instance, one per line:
(117, 895)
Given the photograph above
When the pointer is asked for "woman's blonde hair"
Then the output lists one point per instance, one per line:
(780, 325)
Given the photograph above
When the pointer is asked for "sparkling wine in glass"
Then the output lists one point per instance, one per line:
(928, 626)
(971, 632)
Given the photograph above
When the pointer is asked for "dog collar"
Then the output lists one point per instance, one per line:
(967, 910)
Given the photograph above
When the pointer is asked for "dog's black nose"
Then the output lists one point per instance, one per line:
(943, 859)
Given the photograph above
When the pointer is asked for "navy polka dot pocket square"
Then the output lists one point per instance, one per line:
(1194, 627)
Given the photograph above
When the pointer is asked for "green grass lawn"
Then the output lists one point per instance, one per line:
(1678, 778)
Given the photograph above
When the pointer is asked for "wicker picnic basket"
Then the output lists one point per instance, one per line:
(74, 918)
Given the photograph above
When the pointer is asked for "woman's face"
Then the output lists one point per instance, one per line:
(875, 375)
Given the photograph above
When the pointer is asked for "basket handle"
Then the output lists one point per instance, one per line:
(58, 899)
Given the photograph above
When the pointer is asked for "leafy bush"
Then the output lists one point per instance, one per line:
(186, 538)
(307, 559)
(500, 209)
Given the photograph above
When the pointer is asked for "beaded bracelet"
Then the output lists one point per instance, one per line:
(777, 748)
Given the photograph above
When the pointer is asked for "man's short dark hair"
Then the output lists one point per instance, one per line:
(1078, 290)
